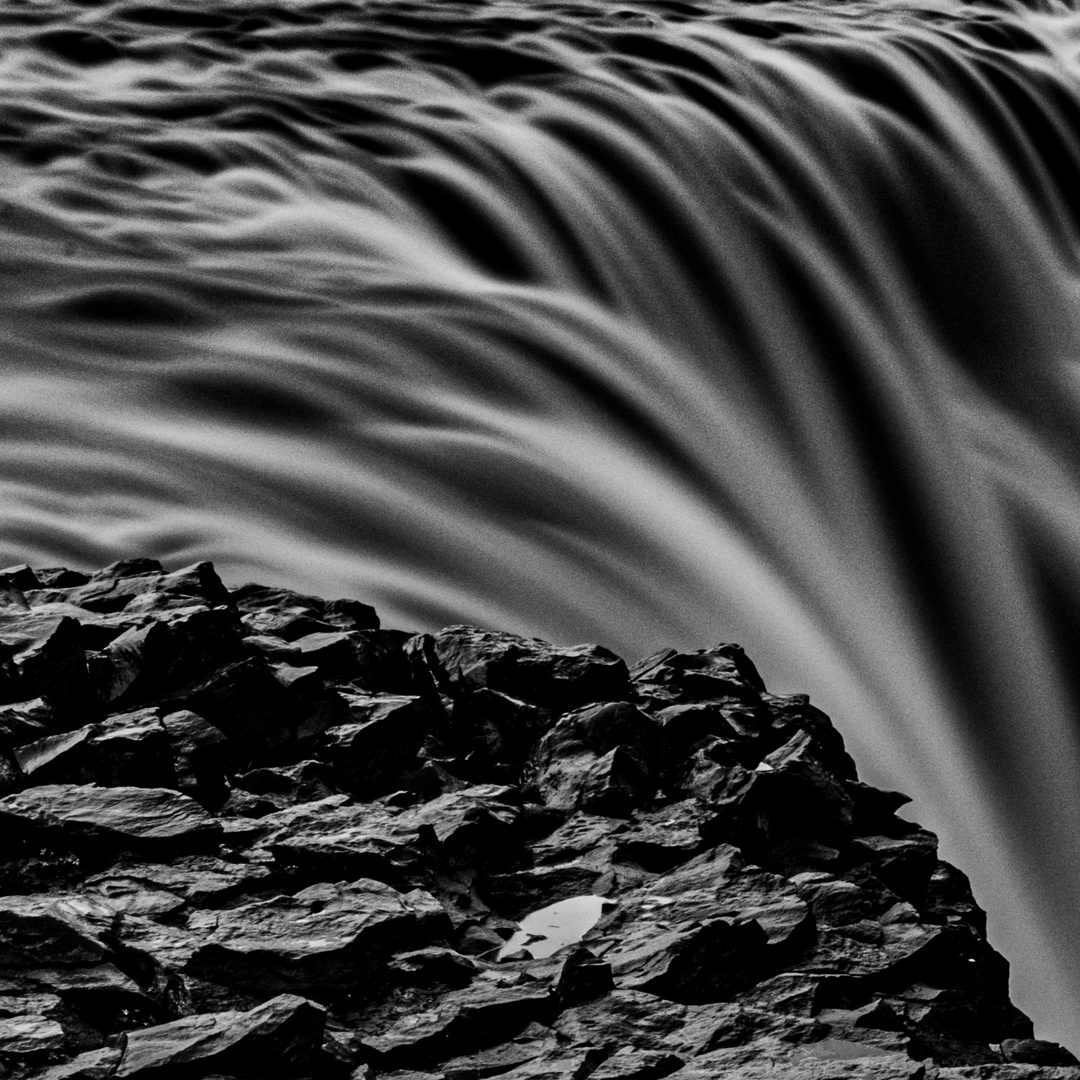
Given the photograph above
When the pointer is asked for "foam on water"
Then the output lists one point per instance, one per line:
(650, 324)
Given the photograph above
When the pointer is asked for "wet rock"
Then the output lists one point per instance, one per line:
(201, 757)
(463, 658)
(97, 1064)
(130, 749)
(162, 888)
(583, 977)
(26, 721)
(1037, 1052)
(480, 1015)
(290, 615)
(281, 1037)
(209, 799)
(66, 947)
(42, 655)
(600, 758)
(380, 741)
(323, 940)
(491, 734)
(722, 672)
(100, 821)
(142, 585)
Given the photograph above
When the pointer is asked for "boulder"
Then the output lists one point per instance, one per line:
(482, 1014)
(102, 821)
(325, 939)
(369, 753)
(281, 1037)
(42, 655)
(129, 749)
(600, 758)
(463, 658)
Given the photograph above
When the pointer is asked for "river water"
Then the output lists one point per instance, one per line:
(644, 323)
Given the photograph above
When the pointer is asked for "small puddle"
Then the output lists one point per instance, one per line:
(546, 931)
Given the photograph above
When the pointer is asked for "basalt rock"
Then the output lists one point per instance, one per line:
(251, 833)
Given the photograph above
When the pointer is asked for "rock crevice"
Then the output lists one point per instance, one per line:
(249, 833)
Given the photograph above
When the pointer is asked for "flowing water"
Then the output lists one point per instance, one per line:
(647, 323)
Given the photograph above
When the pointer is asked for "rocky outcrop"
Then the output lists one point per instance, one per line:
(249, 833)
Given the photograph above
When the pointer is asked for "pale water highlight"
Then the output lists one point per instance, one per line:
(645, 323)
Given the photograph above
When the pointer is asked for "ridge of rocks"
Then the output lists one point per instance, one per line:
(248, 833)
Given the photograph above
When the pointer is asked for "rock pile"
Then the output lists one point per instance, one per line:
(250, 833)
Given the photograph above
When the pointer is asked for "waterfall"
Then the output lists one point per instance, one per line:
(655, 323)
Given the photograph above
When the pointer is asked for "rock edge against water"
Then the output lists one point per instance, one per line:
(248, 833)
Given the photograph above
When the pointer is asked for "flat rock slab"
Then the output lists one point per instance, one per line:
(60, 946)
(335, 836)
(155, 889)
(325, 939)
(281, 1036)
(480, 1015)
(90, 820)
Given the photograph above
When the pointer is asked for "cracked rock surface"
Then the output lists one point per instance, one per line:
(249, 833)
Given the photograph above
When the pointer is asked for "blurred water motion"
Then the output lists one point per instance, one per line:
(650, 324)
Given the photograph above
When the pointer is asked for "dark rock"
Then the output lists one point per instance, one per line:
(380, 741)
(290, 615)
(26, 721)
(323, 940)
(492, 734)
(724, 671)
(600, 758)
(201, 757)
(583, 977)
(66, 947)
(141, 585)
(462, 658)
(21, 576)
(480, 1015)
(210, 798)
(95, 821)
(1036, 1052)
(42, 655)
(281, 1037)
(128, 749)
(629, 1063)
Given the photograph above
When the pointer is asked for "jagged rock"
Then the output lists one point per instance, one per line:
(600, 758)
(287, 785)
(131, 749)
(201, 756)
(66, 947)
(583, 977)
(491, 734)
(290, 615)
(724, 671)
(141, 586)
(629, 1063)
(463, 658)
(388, 843)
(95, 821)
(281, 1037)
(380, 741)
(22, 722)
(29, 1038)
(324, 939)
(93, 1065)
(42, 655)
(482, 1014)
(212, 797)
(1036, 1052)
(159, 889)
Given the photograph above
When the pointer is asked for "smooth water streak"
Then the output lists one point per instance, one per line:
(650, 324)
